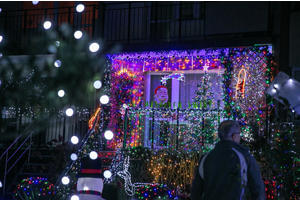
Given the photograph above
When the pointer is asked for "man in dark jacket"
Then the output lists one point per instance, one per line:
(229, 171)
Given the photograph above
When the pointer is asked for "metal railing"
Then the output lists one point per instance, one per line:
(9, 158)
(125, 22)
(24, 26)
(133, 22)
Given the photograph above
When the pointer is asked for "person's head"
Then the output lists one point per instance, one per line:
(229, 130)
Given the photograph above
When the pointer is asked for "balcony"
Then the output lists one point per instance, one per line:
(125, 23)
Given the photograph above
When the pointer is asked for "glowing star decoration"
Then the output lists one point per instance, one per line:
(125, 174)
(179, 77)
(205, 68)
(240, 85)
(161, 95)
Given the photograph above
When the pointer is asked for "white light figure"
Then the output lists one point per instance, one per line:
(80, 8)
(93, 155)
(74, 156)
(47, 25)
(69, 112)
(74, 139)
(78, 34)
(94, 47)
(108, 135)
(57, 63)
(97, 84)
(61, 93)
(0, 184)
(107, 174)
(74, 197)
(35, 2)
(1, 37)
(104, 99)
(125, 174)
(65, 180)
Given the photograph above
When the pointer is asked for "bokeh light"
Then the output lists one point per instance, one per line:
(93, 155)
(108, 135)
(47, 25)
(74, 139)
(61, 93)
(1, 37)
(74, 156)
(78, 34)
(97, 84)
(74, 197)
(107, 174)
(94, 47)
(57, 63)
(80, 8)
(104, 99)
(69, 112)
(65, 180)
(35, 2)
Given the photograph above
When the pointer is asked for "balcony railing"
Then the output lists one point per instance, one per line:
(126, 22)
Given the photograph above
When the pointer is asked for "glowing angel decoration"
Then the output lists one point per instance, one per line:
(240, 85)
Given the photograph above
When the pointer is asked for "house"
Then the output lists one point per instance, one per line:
(152, 41)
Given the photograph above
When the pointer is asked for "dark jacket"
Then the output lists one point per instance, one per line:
(223, 177)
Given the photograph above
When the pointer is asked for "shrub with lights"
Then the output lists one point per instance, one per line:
(34, 188)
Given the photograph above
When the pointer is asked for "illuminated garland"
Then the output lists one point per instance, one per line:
(34, 188)
(179, 77)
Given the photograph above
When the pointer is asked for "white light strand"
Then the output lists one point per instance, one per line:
(125, 174)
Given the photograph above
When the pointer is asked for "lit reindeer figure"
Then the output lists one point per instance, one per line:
(125, 174)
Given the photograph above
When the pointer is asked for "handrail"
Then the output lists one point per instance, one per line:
(17, 138)
(6, 153)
